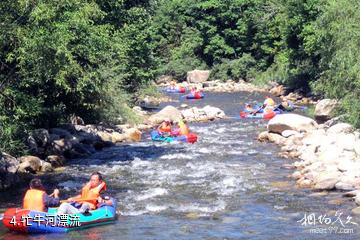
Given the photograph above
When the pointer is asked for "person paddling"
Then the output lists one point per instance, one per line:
(165, 127)
(181, 129)
(88, 198)
(268, 105)
(36, 198)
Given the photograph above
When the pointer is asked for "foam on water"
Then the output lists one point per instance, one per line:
(151, 193)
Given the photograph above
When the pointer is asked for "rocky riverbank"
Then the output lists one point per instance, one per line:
(50, 149)
(326, 155)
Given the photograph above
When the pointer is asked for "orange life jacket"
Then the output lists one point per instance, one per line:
(91, 194)
(33, 200)
(164, 128)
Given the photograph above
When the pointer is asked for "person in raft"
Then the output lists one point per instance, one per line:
(249, 108)
(88, 199)
(165, 127)
(268, 105)
(173, 84)
(181, 128)
(36, 198)
(194, 91)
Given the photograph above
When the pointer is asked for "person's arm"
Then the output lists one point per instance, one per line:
(52, 201)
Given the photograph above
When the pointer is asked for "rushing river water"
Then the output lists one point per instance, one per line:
(226, 186)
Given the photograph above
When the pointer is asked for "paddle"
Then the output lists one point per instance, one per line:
(78, 200)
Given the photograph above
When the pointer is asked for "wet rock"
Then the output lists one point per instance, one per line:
(291, 121)
(324, 110)
(55, 160)
(184, 105)
(32, 145)
(357, 199)
(8, 168)
(197, 76)
(168, 112)
(79, 150)
(340, 128)
(263, 136)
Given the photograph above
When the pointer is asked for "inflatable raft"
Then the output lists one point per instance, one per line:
(266, 116)
(175, 90)
(27, 221)
(189, 138)
(197, 95)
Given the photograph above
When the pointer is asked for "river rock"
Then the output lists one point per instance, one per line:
(41, 137)
(288, 133)
(348, 183)
(291, 121)
(58, 147)
(213, 112)
(326, 180)
(62, 133)
(340, 128)
(105, 136)
(276, 138)
(197, 76)
(132, 135)
(167, 112)
(163, 79)
(278, 90)
(325, 109)
(29, 163)
(263, 136)
(8, 168)
(55, 160)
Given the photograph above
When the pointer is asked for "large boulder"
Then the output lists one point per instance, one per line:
(33, 164)
(327, 180)
(8, 168)
(291, 121)
(167, 112)
(325, 109)
(213, 112)
(198, 76)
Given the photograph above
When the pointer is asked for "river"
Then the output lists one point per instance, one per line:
(226, 186)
